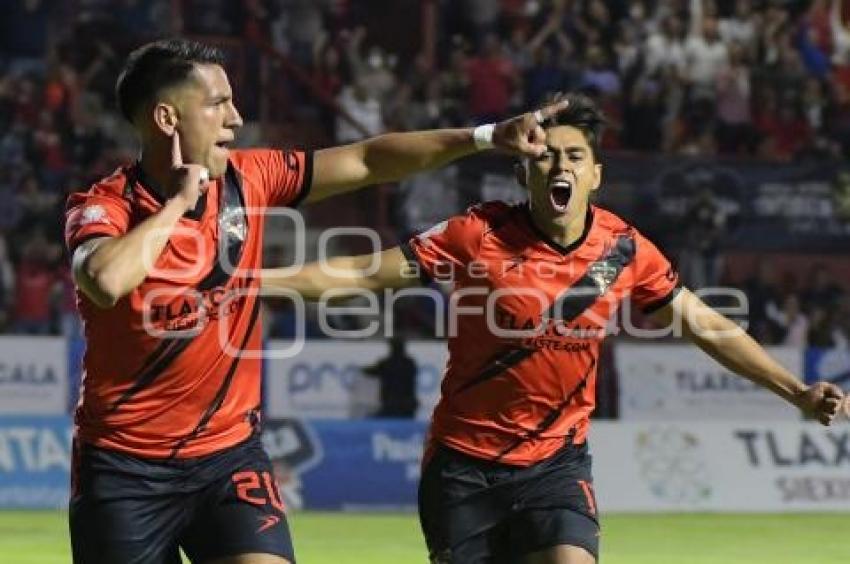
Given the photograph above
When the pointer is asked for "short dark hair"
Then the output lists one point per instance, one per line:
(583, 114)
(158, 65)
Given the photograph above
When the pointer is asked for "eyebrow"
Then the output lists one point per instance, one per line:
(570, 149)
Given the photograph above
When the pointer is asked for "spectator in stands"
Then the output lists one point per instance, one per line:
(7, 283)
(782, 127)
(10, 208)
(23, 35)
(665, 49)
(735, 132)
(706, 55)
(327, 77)
(35, 286)
(600, 76)
(454, 84)
(821, 292)
(357, 100)
(49, 150)
(364, 99)
(212, 17)
(643, 114)
(397, 376)
(823, 331)
(793, 321)
(741, 28)
(482, 17)
(36, 204)
(837, 126)
(701, 261)
(491, 78)
(763, 294)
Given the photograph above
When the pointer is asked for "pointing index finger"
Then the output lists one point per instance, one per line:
(553, 109)
(176, 153)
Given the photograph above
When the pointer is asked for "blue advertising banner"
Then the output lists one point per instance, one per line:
(333, 464)
(35, 461)
(324, 464)
(832, 365)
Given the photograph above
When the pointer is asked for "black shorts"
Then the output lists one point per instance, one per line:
(133, 510)
(474, 511)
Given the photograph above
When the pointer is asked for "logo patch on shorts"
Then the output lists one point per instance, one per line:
(94, 214)
(269, 521)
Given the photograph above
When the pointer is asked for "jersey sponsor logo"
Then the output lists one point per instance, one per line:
(549, 327)
(233, 224)
(94, 214)
(193, 309)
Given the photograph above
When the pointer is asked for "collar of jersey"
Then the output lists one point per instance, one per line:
(141, 180)
(581, 248)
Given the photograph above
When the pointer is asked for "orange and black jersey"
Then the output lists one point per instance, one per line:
(529, 318)
(173, 369)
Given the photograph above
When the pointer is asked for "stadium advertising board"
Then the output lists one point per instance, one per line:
(35, 460)
(721, 467)
(679, 382)
(326, 381)
(832, 365)
(375, 464)
(364, 464)
(33, 375)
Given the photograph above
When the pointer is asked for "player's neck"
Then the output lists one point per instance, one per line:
(563, 231)
(156, 172)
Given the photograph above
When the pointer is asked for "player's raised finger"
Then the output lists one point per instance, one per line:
(553, 109)
(176, 152)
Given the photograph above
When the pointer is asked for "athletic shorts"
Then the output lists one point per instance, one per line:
(474, 511)
(133, 510)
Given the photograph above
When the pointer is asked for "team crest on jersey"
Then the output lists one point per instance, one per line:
(233, 225)
(603, 274)
(94, 214)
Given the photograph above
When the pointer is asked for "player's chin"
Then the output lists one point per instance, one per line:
(217, 163)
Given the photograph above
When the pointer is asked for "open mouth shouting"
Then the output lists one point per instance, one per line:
(560, 191)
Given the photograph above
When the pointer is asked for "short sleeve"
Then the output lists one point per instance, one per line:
(448, 246)
(94, 214)
(285, 175)
(656, 281)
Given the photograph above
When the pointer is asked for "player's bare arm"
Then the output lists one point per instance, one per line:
(723, 340)
(386, 269)
(108, 268)
(391, 157)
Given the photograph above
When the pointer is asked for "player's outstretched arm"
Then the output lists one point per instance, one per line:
(732, 347)
(386, 269)
(391, 157)
(108, 268)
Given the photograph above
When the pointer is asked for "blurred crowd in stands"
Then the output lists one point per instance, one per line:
(763, 79)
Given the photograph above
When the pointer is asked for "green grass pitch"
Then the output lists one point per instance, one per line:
(40, 537)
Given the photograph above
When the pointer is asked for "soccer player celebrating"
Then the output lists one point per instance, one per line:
(166, 257)
(506, 473)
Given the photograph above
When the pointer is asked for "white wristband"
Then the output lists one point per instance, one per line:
(483, 136)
